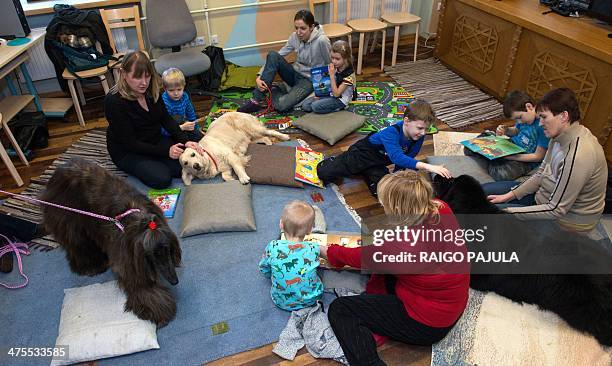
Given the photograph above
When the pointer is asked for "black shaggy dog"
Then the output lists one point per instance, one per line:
(584, 301)
(146, 251)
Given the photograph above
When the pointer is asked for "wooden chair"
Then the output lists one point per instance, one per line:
(334, 29)
(398, 19)
(121, 18)
(100, 72)
(6, 158)
(367, 25)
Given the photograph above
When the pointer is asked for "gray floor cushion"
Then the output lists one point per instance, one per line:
(218, 207)
(330, 127)
(459, 165)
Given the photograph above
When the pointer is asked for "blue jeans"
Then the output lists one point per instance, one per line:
(503, 187)
(301, 86)
(322, 105)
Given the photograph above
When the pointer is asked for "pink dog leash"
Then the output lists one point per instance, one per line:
(114, 220)
(18, 248)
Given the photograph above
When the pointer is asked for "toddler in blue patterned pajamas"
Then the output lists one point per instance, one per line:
(292, 263)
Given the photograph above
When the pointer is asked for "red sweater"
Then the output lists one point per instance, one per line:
(436, 300)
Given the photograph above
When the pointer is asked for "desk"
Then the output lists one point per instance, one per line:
(509, 44)
(46, 7)
(12, 57)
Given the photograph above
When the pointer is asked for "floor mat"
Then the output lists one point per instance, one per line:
(223, 302)
(383, 104)
(454, 100)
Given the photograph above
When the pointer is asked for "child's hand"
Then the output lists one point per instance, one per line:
(440, 170)
(332, 70)
(261, 85)
(501, 130)
(188, 126)
(323, 251)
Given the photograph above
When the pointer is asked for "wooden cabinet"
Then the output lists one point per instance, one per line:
(510, 44)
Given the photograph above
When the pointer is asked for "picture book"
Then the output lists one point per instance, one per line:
(321, 81)
(492, 147)
(349, 240)
(166, 199)
(306, 162)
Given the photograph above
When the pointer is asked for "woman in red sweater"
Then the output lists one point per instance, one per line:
(412, 308)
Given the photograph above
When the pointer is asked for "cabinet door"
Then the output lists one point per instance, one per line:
(477, 45)
(543, 64)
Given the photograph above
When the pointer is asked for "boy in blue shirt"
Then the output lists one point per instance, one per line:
(292, 263)
(179, 104)
(526, 133)
(397, 144)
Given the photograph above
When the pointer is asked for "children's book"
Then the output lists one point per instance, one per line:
(492, 147)
(321, 81)
(349, 240)
(306, 162)
(166, 199)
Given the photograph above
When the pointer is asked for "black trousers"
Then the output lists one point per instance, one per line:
(362, 158)
(155, 172)
(355, 318)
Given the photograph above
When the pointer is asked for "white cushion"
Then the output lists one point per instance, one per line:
(94, 325)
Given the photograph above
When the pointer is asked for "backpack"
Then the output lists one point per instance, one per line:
(30, 130)
(81, 59)
(211, 78)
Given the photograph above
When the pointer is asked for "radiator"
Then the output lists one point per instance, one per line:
(39, 66)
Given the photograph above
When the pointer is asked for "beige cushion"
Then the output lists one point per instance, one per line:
(330, 127)
(398, 18)
(272, 164)
(219, 207)
(366, 25)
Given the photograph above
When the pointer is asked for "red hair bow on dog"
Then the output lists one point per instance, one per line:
(152, 225)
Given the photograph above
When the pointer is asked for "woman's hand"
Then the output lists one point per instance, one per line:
(501, 198)
(176, 150)
(323, 251)
(261, 85)
(194, 145)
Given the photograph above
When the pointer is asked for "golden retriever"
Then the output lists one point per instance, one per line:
(224, 147)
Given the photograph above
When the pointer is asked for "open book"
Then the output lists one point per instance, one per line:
(492, 147)
(306, 162)
(166, 199)
(349, 240)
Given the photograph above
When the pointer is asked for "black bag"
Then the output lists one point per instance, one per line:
(30, 130)
(81, 59)
(211, 78)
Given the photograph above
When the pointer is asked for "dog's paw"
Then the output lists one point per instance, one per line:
(285, 137)
(227, 176)
(245, 179)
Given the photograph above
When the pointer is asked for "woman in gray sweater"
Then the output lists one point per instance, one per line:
(313, 50)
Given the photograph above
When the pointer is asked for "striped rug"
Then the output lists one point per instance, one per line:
(92, 147)
(455, 101)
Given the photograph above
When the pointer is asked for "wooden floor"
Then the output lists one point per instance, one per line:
(64, 132)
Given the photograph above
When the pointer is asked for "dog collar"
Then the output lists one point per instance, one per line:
(211, 157)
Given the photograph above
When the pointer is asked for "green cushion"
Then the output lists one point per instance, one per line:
(330, 127)
(211, 208)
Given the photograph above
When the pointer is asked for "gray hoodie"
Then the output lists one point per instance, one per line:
(313, 53)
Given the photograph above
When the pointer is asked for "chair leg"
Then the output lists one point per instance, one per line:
(367, 42)
(395, 44)
(360, 56)
(104, 82)
(8, 132)
(75, 101)
(350, 42)
(79, 88)
(382, 57)
(10, 166)
(115, 74)
(373, 42)
(416, 42)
